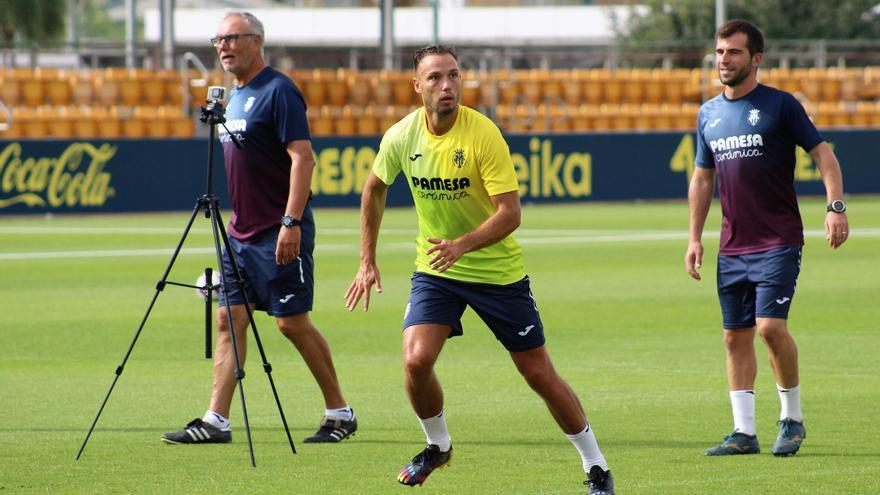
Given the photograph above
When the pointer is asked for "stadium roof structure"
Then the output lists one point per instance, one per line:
(360, 27)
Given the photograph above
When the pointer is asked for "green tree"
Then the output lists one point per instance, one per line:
(694, 20)
(36, 21)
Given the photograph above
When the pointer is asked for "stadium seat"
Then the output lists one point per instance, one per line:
(32, 92)
(572, 88)
(862, 115)
(153, 90)
(507, 91)
(58, 121)
(344, 120)
(82, 89)
(529, 85)
(321, 126)
(829, 85)
(382, 88)
(388, 116)
(367, 125)
(402, 88)
(155, 123)
(594, 86)
(359, 89)
(336, 90)
(182, 127)
(109, 125)
(601, 119)
(632, 85)
(315, 92)
(470, 93)
(84, 123)
(33, 125)
(107, 91)
(622, 117)
(10, 90)
(665, 117)
(59, 88)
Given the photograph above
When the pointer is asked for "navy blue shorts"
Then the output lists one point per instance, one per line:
(757, 285)
(510, 311)
(280, 290)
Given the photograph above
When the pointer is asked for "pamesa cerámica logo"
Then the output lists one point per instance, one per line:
(76, 177)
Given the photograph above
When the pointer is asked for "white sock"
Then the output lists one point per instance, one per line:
(217, 420)
(437, 432)
(588, 448)
(743, 403)
(791, 403)
(343, 413)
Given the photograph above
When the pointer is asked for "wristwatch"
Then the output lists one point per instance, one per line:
(290, 222)
(837, 206)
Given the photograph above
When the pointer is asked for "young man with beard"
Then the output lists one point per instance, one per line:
(464, 186)
(748, 134)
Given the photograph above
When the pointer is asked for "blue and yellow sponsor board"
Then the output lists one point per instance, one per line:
(164, 175)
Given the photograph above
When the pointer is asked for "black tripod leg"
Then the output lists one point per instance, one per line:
(216, 228)
(159, 287)
(267, 367)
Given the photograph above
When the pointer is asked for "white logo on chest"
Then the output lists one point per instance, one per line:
(754, 116)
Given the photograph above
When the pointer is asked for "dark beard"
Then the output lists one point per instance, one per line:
(737, 78)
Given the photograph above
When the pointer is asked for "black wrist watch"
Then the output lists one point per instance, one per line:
(290, 222)
(837, 206)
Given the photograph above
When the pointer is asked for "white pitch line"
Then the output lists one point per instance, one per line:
(622, 236)
(10, 230)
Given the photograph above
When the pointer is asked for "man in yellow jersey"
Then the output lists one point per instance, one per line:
(462, 179)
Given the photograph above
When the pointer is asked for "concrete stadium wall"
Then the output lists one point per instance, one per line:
(166, 175)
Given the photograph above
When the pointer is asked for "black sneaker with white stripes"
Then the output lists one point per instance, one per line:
(197, 431)
(333, 430)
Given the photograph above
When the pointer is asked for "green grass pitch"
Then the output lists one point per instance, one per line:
(637, 339)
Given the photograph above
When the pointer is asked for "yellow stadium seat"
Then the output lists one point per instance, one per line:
(345, 126)
(59, 89)
(529, 90)
(383, 92)
(84, 123)
(182, 127)
(33, 92)
(107, 91)
(321, 126)
(10, 91)
(470, 93)
(367, 125)
(601, 118)
(336, 91)
(404, 93)
(109, 125)
(315, 92)
(572, 90)
(632, 85)
(359, 88)
(594, 86)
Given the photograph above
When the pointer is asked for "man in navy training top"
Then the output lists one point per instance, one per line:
(748, 134)
(271, 229)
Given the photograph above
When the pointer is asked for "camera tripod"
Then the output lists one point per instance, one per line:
(213, 114)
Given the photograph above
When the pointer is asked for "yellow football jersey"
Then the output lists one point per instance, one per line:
(452, 178)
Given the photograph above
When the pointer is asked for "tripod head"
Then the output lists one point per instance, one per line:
(214, 113)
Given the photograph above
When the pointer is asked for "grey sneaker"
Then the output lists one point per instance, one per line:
(791, 434)
(197, 431)
(599, 482)
(333, 430)
(736, 444)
